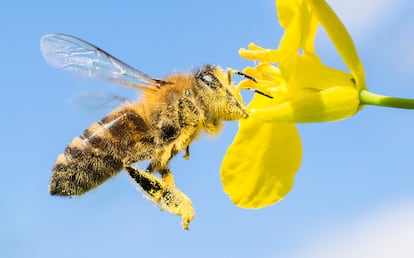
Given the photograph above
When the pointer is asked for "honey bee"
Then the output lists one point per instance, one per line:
(171, 113)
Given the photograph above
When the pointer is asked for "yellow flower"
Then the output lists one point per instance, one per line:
(259, 167)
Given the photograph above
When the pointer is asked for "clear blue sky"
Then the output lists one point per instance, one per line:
(355, 184)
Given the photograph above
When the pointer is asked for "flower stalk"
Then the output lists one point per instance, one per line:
(369, 98)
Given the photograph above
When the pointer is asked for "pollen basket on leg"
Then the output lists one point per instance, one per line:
(166, 196)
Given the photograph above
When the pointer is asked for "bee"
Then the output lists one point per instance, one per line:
(171, 113)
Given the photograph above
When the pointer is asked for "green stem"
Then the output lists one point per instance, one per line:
(369, 98)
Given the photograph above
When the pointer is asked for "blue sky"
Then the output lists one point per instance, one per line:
(353, 196)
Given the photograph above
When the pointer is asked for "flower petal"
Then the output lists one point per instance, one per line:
(317, 93)
(259, 167)
(300, 26)
(298, 21)
(340, 38)
(331, 104)
(254, 52)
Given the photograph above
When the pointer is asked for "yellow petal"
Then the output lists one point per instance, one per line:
(259, 166)
(286, 11)
(340, 38)
(258, 53)
(289, 15)
(317, 93)
(331, 104)
(300, 26)
(297, 19)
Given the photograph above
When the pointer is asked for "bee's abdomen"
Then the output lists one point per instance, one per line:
(79, 170)
(98, 153)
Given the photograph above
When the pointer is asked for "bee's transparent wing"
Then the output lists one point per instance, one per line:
(76, 55)
(96, 105)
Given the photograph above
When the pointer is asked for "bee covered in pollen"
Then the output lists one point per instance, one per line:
(172, 112)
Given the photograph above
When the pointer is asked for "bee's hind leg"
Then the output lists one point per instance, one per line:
(167, 176)
(165, 173)
(166, 196)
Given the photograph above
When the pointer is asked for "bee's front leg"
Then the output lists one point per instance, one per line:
(166, 196)
(187, 152)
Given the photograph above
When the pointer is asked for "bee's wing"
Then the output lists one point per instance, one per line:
(96, 105)
(76, 55)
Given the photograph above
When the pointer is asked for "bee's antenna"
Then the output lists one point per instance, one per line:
(245, 76)
(261, 93)
(249, 77)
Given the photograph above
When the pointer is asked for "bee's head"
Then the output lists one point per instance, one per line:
(219, 95)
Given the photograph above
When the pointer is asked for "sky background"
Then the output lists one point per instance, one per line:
(353, 196)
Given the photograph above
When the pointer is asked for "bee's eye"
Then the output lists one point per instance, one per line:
(209, 79)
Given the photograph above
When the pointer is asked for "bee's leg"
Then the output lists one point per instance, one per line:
(166, 196)
(165, 173)
(140, 156)
(188, 118)
(167, 176)
(187, 153)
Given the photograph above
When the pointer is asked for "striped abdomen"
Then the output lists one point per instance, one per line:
(99, 153)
